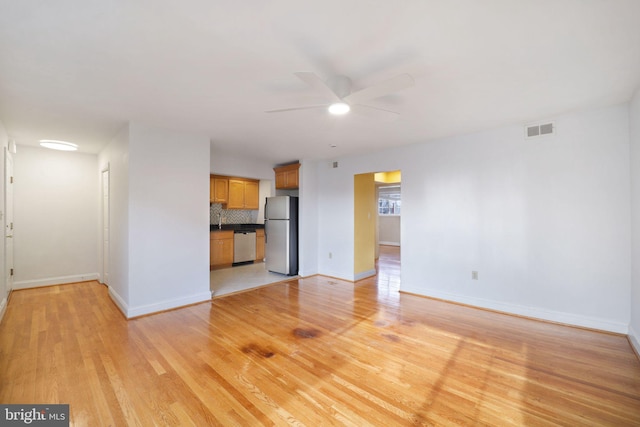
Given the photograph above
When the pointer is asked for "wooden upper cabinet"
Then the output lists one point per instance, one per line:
(251, 195)
(219, 189)
(243, 194)
(236, 194)
(287, 177)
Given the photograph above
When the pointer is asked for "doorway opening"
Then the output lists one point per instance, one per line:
(389, 223)
(228, 279)
(377, 224)
(389, 215)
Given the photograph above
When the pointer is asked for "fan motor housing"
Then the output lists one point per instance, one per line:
(341, 85)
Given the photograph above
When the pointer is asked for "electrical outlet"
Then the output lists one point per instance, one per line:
(474, 275)
(330, 255)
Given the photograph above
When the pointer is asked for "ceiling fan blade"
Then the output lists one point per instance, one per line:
(318, 84)
(394, 84)
(308, 107)
(375, 113)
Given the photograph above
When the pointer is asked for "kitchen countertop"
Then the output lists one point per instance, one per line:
(214, 227)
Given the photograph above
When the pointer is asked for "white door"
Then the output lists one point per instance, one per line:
(8, 250)
(105, 227)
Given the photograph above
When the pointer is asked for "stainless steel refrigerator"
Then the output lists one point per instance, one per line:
(281, 234)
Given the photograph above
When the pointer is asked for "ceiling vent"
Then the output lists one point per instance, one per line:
(540, 130)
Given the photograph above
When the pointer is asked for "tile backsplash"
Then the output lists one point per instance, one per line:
(232, 216)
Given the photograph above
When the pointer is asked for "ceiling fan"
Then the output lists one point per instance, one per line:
(340, 99)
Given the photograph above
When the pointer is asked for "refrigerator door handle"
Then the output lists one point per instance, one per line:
(265, 231)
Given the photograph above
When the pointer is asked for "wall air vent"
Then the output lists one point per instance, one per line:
(545, 129)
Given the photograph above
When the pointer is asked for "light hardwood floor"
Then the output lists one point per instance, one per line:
(314, 351)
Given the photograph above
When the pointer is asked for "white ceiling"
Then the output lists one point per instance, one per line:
(78, 70)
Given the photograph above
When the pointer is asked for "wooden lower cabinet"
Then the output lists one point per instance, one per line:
(221, 249)
(259, 244)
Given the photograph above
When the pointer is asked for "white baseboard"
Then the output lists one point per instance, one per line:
(634, 339)
(49, 281)
(142, 310)
(389, 243)
(3, 308)
(336, 275)
(119, 301)
(168, 304)
(364, 275)
(307, 273)
(537, 313)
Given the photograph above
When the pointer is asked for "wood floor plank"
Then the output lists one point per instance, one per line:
(313, 351)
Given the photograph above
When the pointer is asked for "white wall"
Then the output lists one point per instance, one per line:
(308, 230)
(335, 217)
(159, 218)
(546, 222)
(241, 166)
(55, 216)
(168, 219)
(634, 116)
(389, 229)
(115, 157)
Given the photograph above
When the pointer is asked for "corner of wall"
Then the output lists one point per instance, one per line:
(364, 275)
(634, 340)
(119, 301)
(634, 159)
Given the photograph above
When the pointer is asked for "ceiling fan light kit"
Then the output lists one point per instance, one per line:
(339, 108)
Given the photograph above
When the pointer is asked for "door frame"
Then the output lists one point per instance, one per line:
(105, 224)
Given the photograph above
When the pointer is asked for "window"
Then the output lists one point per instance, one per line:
(389, 202)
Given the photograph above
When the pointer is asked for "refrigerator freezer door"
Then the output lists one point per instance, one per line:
(277, 246)
(277, 208)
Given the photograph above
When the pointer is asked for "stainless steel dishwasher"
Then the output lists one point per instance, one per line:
(244, 246)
